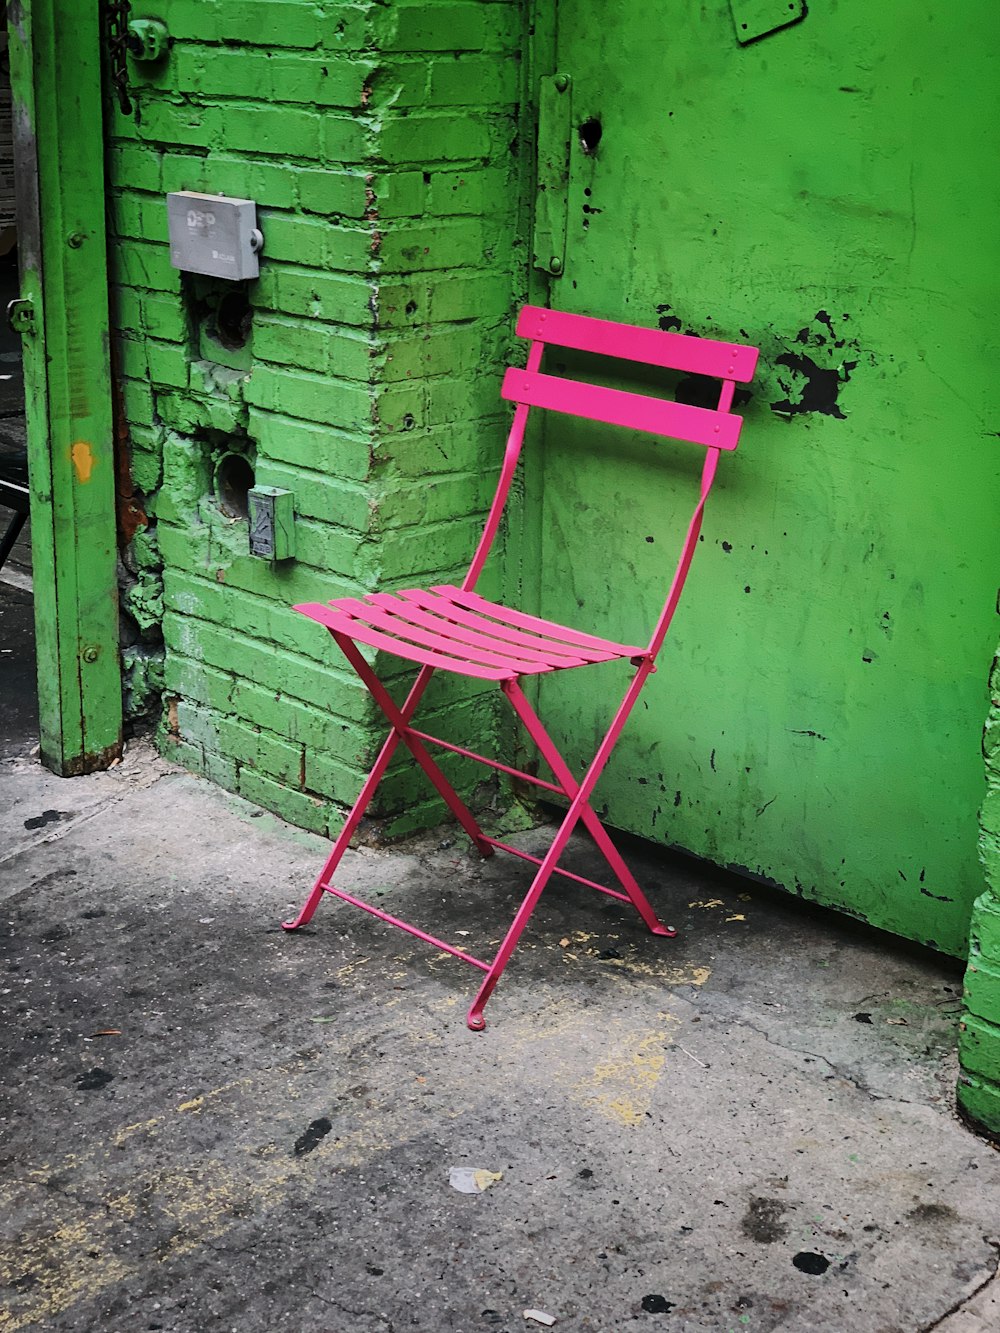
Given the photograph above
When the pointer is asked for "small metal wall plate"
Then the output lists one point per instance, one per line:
(758, 18)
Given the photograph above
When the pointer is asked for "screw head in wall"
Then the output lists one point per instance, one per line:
(555, 264)
(91, 653)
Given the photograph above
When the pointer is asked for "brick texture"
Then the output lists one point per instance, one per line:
(379, 144)
(979, 1044)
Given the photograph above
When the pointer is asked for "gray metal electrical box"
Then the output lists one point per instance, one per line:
(272, 522)
(214, 235)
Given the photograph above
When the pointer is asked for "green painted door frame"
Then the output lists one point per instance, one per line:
(63, 316)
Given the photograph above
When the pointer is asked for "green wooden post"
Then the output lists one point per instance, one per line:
(63, 316)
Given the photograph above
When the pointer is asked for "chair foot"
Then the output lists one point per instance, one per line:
(307, 911)
(668, 931)
(475, 1020)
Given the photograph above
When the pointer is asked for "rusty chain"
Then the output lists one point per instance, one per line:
(116, 17)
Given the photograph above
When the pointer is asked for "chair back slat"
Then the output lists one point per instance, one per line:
(615, 407)
(652, 347)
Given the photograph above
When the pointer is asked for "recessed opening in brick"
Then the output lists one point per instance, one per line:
(234, 479)
(233, 318)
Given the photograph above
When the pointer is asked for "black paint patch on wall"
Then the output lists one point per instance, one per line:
(809, 387)
(812, 379)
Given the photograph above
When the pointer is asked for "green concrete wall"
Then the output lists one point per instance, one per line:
(377, 142)
(820, 193)
(979, 1046)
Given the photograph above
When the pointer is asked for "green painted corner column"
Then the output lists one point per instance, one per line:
(979, 1042)
(62, 314)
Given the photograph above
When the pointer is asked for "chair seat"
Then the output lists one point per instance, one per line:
(462, 632)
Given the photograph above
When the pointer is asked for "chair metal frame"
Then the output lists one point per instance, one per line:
(454, 629)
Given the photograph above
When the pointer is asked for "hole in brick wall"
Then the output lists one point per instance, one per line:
(411, 307)
(590, 135)
(221, 319)
(233, 318)
(234, 478)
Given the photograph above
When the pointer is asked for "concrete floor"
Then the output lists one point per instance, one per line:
(207, 1124)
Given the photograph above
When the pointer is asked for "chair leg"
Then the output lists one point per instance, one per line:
(346, 833)
(578, 804)
(400, 720)
(361, 804)
(475, 1019)
(563, 775)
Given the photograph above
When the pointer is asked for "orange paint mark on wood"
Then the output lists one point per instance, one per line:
(83, 460)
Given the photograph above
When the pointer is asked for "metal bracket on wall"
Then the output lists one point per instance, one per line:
(759, 18)
(555, 107)
(21, 316)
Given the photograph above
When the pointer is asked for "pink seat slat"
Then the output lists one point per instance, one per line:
(474, 602)
(653, 347)
(445, 606)
(341, 623)
(615, 407)
(439, 643)
(409, 614)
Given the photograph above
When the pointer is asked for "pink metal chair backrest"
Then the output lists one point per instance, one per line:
(714, 429)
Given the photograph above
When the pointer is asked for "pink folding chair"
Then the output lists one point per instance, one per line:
(454, 629)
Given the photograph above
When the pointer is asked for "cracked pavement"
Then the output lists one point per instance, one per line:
(208, 1124)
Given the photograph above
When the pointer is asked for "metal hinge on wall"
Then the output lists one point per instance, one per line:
(21, 316)
(555, 106)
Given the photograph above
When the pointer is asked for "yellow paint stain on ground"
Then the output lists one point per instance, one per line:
(686, 975)
(82, 456)
(140, 1126)
(69, 1255)
(58, 1272)
(621, 1087)
(707, 902)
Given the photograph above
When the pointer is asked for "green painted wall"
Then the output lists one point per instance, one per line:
(820, 193)
(376, 142)
(817, 717)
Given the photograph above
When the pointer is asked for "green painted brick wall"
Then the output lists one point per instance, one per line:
(979, 1043)
(379, 143)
